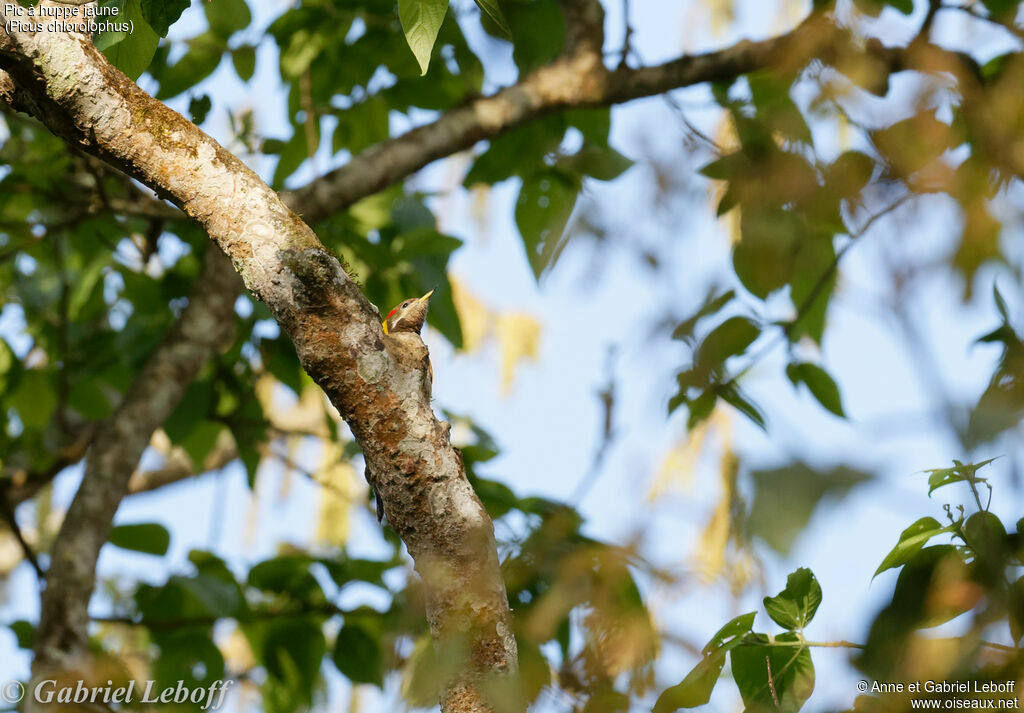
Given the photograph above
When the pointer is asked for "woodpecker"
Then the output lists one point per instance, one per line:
(408, 316)
(402, 328)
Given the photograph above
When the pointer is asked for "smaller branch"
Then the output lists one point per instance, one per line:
(627, 40)
(327, 609)
(12, 522)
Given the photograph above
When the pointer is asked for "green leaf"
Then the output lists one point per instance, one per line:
(794, 606)
(200, 440)
(538, 32)
(161, 14)
(421, 20)
(199, 62)
(911, 144)
(24, 633)
(728, 339)
(785, 498)
(684, 330)
(1003, 10)
(199, 107)
(151, 538)
(1004, 312)
(131, 52)
(88, 396)
(813, 275)
(695, 689)
(986, 536)
(819, 383)
(357, 653)
(227, 16)
(1014, 606)
(291, 651)
(287, 574)
(732, 395)
(108, 38)
(700, 408)
(517, 152)
(763, 258)
(911, 541)
(35, 398)
(244, 59)
(778, 111)
(778, 679)
(492, 9)
(546, 201)
(960, 472)
(600, 162)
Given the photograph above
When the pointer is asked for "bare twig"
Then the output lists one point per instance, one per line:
(12, 522)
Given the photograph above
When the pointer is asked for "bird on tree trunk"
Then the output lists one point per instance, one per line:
(402, 328)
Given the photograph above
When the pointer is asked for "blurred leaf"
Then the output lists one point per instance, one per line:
(730, 338)
(684, 330)
(199, 107)
(492, 9)
(244, 59)
(203, 56)
(227, 16)
(150, 538)
(1001, 10)
(795, 606)
(357, 654)
(287, 574)
(292, 650)
(25, 634)
(785, 499)
(131, 52)
(763, 258)
(1014, 606)
(161, 14)
(35, 397)
(911, 144)
(770, 93)
(986, 536)
(546, 201)
(597, 161)
(538, 32)
(517, 151)
(421, 20)
(819, 383)
(731, 394)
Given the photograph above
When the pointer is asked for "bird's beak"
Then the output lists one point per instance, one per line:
(425, 297)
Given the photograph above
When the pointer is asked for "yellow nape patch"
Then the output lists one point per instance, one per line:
(384, 325)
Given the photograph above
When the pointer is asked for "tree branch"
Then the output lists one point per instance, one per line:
(206, 325)
(579, 79)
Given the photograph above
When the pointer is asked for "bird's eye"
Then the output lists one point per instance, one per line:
(406, 303)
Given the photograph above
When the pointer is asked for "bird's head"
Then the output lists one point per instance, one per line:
(408, 316)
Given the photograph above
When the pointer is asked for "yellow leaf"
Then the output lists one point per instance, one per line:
(474, 316)
(519, 336)
(340, 491)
